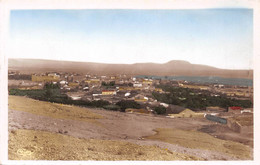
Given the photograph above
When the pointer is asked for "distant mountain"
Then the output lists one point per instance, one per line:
(171, 68)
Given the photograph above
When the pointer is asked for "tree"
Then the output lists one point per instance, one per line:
(130, 84)
(99, 103)
(104, 83)
(160, 110)
(112, 107)
(48, 93)
(51, 85)
(112, 83)
(124, 104)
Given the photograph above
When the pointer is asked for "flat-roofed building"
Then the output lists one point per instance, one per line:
(73, 84)
(158, 90)
(147, 82)
(93, 81)
(37, 78)
(137, 85)
(235, 109)
(108, 92)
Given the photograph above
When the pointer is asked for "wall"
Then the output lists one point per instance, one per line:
(235, 126)
(216, 119)
(44, 78)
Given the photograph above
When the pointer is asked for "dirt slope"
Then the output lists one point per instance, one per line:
(40, 145)
(59, 111)
(116, 126)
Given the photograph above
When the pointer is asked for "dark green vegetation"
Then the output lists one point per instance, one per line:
(112, 107)
(160, 110)
(52, 93)
(196, 99)
(108, 84)
(124, 104)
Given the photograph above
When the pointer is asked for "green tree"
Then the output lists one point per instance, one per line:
(160, 110)
(48, 93)
(124, 104)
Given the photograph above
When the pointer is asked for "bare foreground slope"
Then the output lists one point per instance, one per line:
(47, 131)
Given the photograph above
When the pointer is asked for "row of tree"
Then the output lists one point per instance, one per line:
(196, 99)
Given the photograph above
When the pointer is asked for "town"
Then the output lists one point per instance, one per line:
(226, 104)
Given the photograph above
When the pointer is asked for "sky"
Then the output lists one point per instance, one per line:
(222, 38)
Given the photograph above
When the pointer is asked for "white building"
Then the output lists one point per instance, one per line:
(63, 82)
(137, 85)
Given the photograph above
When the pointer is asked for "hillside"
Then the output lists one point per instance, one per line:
(41, 130)
(171, 68)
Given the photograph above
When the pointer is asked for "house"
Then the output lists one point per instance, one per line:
(53, 74)
(246, 111)
(103, 77)
(180, 84)
(158, 90)
(73, 84)
(147, 82)
(63, 82)
(75, 97)
(96, 94)
(140, 98)
(113, 77)
(93, 81)
(137, 85)
(108, 92)
(165, 105)
(235, 109)
(128, 88)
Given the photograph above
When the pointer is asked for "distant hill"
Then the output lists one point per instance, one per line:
(171, 68)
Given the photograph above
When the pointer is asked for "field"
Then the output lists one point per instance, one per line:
(37, 129)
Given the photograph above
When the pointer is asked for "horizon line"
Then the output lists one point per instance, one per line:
(63, 60)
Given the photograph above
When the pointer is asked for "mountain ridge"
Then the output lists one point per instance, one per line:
(170, 68)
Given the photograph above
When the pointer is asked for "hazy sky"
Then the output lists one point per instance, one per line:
(218, 37)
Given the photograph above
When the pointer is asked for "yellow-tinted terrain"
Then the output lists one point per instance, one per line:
(195, 139)
(40, 145)
(53, 110)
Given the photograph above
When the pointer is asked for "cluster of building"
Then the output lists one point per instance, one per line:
(95, 87)
(114, 88)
